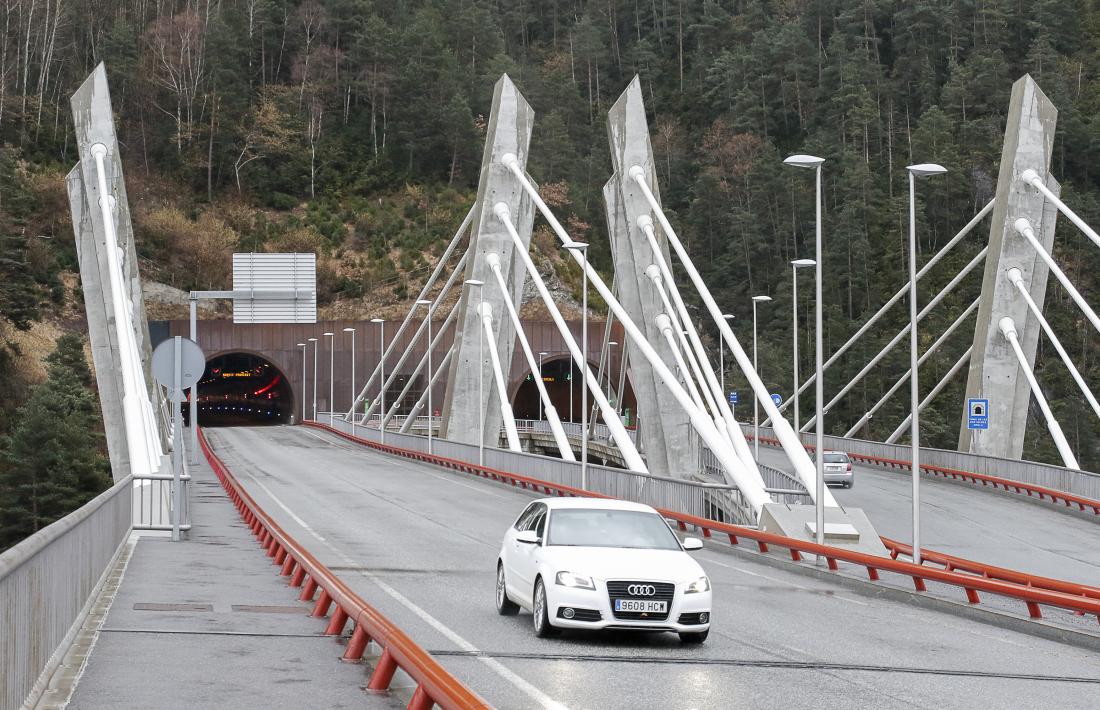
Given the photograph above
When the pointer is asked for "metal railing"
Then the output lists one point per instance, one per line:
(153, 502)
(46, 584)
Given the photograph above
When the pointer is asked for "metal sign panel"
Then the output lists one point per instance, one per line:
(778, 399)
(977, 414)
(275, 272)
(733, 398)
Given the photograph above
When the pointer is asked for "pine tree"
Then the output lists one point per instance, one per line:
(53, 461)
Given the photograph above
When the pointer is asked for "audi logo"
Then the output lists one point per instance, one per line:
(641, 590)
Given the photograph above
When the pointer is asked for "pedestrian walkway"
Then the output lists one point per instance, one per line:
(208, 622)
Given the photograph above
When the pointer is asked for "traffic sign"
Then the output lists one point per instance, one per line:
(191, 366)
(733, 398)
(777, 399)
(977, 414)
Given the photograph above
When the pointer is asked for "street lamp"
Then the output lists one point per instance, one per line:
(915, 171)
(795, 266)
(352, 331)
(382, 366)
(314, 341)
(303, 347)
(541, 356)
(813, 162)
(721, 354)
(331, 373)
(428, 318)
(755, 398)
(583, 249)
(476, 283)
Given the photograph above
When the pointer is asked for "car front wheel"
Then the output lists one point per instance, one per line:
(505, 606)
(540, 609)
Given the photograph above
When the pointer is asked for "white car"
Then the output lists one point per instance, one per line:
(590, 563)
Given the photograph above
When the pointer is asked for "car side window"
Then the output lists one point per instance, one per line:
(539, 523)
(524, 519)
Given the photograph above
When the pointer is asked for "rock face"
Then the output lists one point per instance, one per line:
(164, 302)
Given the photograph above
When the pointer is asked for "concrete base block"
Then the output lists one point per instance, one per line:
(846, 528)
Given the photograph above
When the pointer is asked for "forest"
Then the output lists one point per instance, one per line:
(355, 128)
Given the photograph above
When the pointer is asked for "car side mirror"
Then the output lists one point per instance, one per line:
(528, 537)
(692, 543)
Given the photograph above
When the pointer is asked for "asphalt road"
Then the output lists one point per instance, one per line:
(421, 545)
(969, 522)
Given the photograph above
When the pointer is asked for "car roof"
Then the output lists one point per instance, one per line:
(829, 451)
(595, 503)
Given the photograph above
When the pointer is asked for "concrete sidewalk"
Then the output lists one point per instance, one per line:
(208, 622)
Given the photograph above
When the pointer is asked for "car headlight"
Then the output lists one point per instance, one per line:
(568, 579)
(700, 585)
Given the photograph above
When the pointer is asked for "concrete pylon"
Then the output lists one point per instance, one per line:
(994, 371)
(672, 446)
(509, 131)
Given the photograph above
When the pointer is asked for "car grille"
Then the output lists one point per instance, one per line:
(617, 590)
(581, 614)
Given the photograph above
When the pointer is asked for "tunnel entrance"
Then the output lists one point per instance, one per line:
(562, 379)
(242, 389)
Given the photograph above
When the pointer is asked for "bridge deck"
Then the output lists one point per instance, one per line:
(421, 544)
(966, 521)
(230, 656)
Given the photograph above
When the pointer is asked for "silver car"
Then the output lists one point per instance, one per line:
(838, 469)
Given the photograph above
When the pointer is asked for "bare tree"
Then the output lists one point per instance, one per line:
(178, 63)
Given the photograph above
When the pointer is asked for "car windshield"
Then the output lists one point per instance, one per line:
(589, 527)
(836, 458)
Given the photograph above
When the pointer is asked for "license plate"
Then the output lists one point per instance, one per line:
(641, 605)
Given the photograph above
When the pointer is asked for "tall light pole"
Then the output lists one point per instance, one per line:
(755, 399)
(541, 356)
(721, 353)
(915, 171)
(303, 347)
(428, 321)
(382, 366)
(814, 163)
(476, 283)
(583, 249)
(331, 372)
(353, 390)
(314, 341)
(795, 266)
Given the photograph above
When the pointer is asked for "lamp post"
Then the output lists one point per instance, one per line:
(795, 266)
(314, 341)
(352, 331)
(303, 347)
(476, 283)
(814, 163)
(721, 354)
(331, 372)
(583, 249)
(755, 399)
(382, 366)
(541, 356)
(915, 171)
(428, 319)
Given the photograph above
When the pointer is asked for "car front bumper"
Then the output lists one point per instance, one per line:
(559, 597)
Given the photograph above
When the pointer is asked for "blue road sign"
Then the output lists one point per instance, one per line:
(733, 398)
(977, 414)
(778, 399)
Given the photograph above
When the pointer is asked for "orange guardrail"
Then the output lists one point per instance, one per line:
(1034, 591)
(435, 685)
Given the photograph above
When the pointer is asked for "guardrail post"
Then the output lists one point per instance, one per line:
(383, 672)
(357, 645)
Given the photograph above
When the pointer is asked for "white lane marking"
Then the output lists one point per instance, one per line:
(534, 693)
(410, 467)
(782, 581)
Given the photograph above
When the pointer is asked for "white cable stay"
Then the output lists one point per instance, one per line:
(440, 265)
(691, 374)
(548, 409)
(1030, 177)
(395, 371)
(1017, 280)
(1008, 329)
(863, 329)
(904, 426)
(631, 458)
(420, 365)
(901, 335)
(424, 395)
(485, 310)
(751, 485)
(664, 325)
(905, 377)
(1023, 228)
(788, 439)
